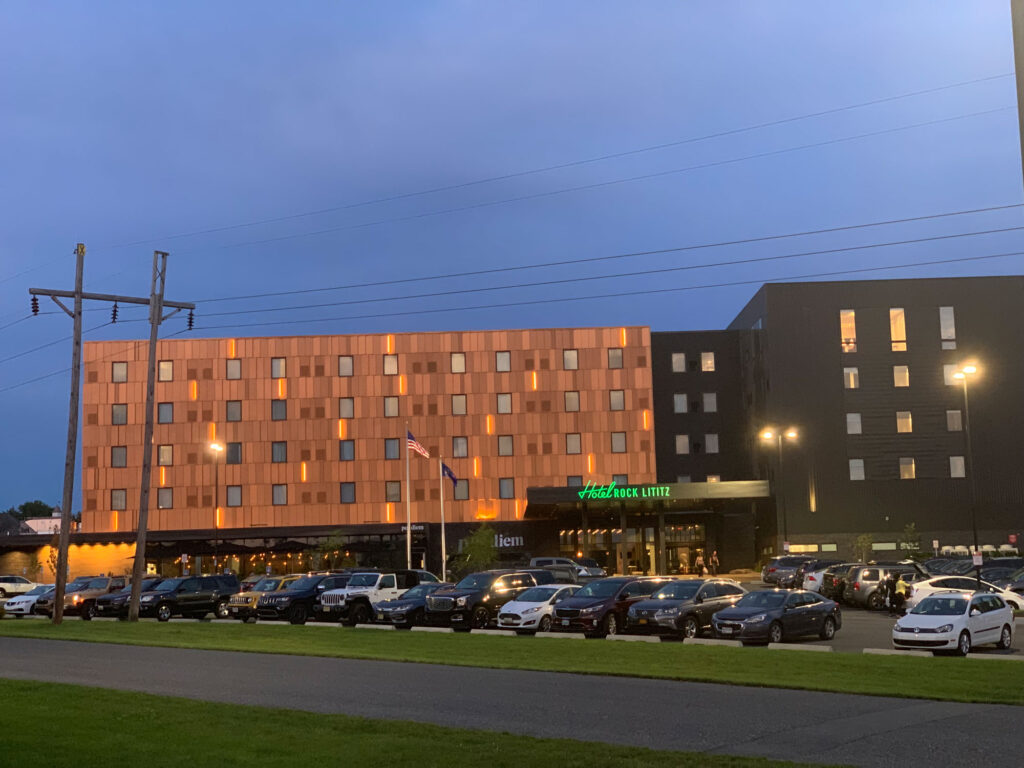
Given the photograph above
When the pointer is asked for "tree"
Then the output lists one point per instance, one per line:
(478, 552)
(31, 509)
(911, 538)
(863, 545)
(51, 557)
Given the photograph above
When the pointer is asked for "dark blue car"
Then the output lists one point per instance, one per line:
(774, 615)
(407, 610)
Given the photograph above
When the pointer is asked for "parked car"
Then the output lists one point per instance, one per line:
(115, 604)
(22, 605)
(832, 580)
(864, 582)
(473, 603)
(81, 594)
(584, 566)
(919, 590)
(189, 596)
(599, 608)
(782, 566)
(251, 581)
(773, 615)
(15, 585)
(957, 622)
(809, 576)
(1016, 582)
(242, 605)
(295, 603)
(406, 610)
(532, 610)
(354, 602)
(683, 608)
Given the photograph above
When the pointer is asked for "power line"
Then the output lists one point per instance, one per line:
(50, 344)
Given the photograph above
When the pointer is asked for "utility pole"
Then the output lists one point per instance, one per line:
(1017, 22)
(156, 304)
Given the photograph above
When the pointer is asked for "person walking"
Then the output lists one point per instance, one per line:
(698, 565)
(713, 562)
(901, 593)
(888, 587)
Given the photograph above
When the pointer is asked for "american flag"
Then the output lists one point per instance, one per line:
(413, 445)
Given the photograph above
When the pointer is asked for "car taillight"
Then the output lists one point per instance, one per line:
(856, 585)
(772, 569)
(811, 578)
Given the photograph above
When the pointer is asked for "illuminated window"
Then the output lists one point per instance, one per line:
(714, 479)
(462, 490)
(233, 455)
(502, 361)
(947, 327)
(460, 447)
(616, 400)
(234, 410)
(710, 402)
(574, 481)
(947, 375)
(392, 490)
(572, 401)
(505, 445)
(118, 499)
(277, 368)
(851, 378)
(856, 469)
(679, 403)
(898, 329)
(572, 443)
(346, 450)
(707, 361)
(900, 376)
(344, 365)
(119, 413)
(678, 362)
(458, 405)
(954, 421)
(118, 372)
(458, 362)
(165, 498)
(390, 365)
(957, 468)
(907, 469)
(233, 369)
(570, 359)
(505, 402)
(506, 488)
(391, 407)
(165, 370)
(615, 358)
(904, 422)
(618, 442)
(279, 452)
(165, 455)
(278, 410)
(711, 443)
(346, 407)
(165, 413)
(392, 449)
(280, 494)
(620, 479)
(853, 424)
(118, 456)
(348, 493)
(682, 444)
(848, 329)
(234, 496)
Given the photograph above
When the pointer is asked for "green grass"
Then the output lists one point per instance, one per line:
(67, 725)
(949, 679)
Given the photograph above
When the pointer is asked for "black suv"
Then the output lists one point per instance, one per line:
(189, 596)
(116, 603)
(295, 604)
(474, 602)
(599, 608)
(683, 607)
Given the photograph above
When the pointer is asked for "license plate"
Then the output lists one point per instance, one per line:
(326, 608)
(641, 621)
(234, 610)
(381, 617)
(725, 630)
(565, 622)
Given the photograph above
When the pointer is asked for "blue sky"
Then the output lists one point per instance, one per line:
(134, 122)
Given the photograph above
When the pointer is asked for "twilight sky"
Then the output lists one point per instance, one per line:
(124, 125)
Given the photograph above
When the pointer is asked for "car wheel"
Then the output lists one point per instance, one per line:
(875, 602)
(611, 625)
(775, 632)
(3, 593)
(690, 627)
(221, 610)
(297, 615)
(481, 617)
(88, 612)
(828, 629)
(1005, 638)
(545, 624)
(963, 645)
(249, 620)
(163, 612)
(359, 614)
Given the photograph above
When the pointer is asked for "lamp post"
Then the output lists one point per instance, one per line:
(962, 375)
(216, 449)
(768, 436)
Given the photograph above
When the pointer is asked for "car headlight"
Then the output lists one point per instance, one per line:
(76, 598)
(945, 628)
(898, 628)
(674, 611)
(592, 609)
(148, 598)
(460, 601)
(759, 617)
(531, 610)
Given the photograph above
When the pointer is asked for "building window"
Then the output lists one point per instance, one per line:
(458, 405)
(392, 449)
(390, 365)
(856, 469)
(280, 495)
(344, 365)
(165, 370)
(678, 362)
(392, 490)
(848, 329)
(502, 361)
(118, 499)
(907, 469)
(898, 329)
(616, 400)
(505, 402)
(165, 455)
(682, 478)
(119, 456)
(618, 442)
(947, 327)
(233, 369)
(234, 496)
(348, 493)
(947, 375)
(460, 447)
(853, 424)
(679, 403)
(615, 357)
(119, 413)
(278, 410)
(710, 402)
(620, 479)
(851, 378)
(234, 454)
(900, 376)
(234, 410)
(904, 422)
(707, 361)
(462, 490)
(279, 452)
(957, 468)
(572, 401)
(570, 359)
(504, 445)
(278, 369)
(506, 488)
(574, 481)
(713, 479)
(458, 362)
(346, 408)
(346, 450)
(711, 443)
(165, 413)
(572, 443)
(165, 498)
(682, 444)
(118, 372)
(391, 407)
(954, 421)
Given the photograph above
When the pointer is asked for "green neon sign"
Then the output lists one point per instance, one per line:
(611, 491)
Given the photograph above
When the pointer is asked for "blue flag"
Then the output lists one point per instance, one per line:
(446, 471)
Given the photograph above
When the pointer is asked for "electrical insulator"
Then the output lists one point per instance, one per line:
(191, 319)
(35, 305)
(113, 313)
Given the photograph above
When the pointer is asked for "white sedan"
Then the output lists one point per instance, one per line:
(955, 621)
(22, 604)
(922, 589)
(531, 611)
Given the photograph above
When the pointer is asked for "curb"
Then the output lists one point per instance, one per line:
(562, 635)
(784, 647)
(894, 652)
(710, 641)
(635, 638)
(493, 632)
(444, 630)
(375, 626)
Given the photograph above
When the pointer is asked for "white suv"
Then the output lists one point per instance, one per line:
(955, 621)
(14, 585)
(354, 603)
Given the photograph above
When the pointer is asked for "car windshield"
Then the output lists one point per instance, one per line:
(941, 606)
(306, 582)
(587, 562)
(168, 585)
(762, 600)
(42, 589)
(267, 585)
(537, 595)
(600, 589)
(683, 590)
(363, 579)
(477, 581)
(76, 585)
(418, 591)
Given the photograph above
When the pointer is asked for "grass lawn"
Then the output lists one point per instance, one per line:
(951, 679)
(75, 726)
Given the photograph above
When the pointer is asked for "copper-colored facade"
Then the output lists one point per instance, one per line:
(199, 390)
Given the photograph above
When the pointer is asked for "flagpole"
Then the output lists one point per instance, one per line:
(444, 552)
(408, 504)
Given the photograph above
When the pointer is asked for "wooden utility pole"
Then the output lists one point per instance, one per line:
(156, 304)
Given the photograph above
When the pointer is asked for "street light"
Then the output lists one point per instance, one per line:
(773, 435)
(962, 375)
(216, 449)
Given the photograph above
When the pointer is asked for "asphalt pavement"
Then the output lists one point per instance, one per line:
(783, 724)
